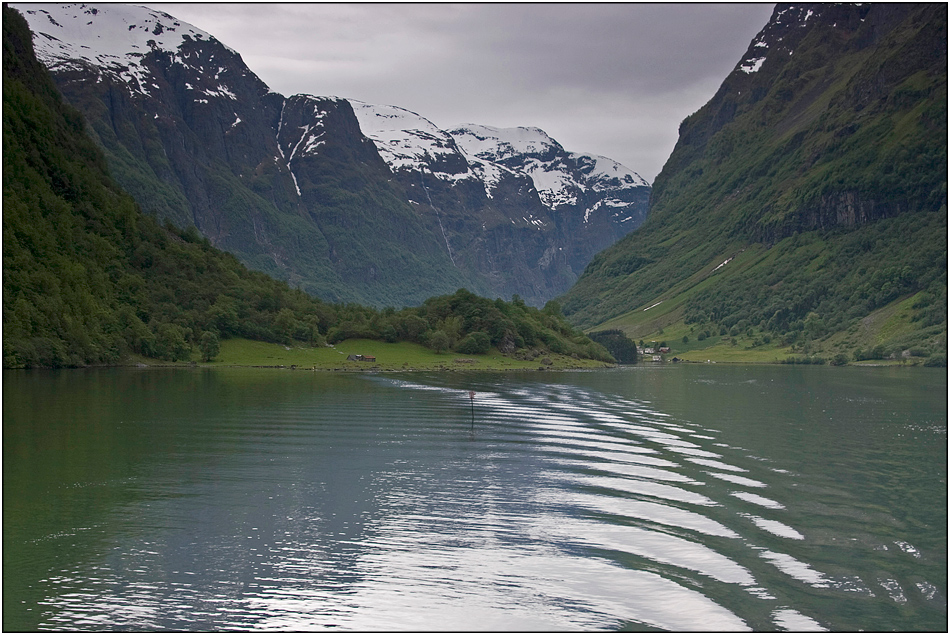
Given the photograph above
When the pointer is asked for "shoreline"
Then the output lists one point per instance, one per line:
(410, 357)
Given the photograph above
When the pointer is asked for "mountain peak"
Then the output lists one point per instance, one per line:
(115, 39)
(106, 34)
(350, 200)
(409, 141)
(498, 144)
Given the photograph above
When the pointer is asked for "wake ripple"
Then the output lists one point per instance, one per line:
(638, 488)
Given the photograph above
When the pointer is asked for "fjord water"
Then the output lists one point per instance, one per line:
(689, 497)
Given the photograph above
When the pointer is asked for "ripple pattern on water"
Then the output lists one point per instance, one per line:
(558, 508)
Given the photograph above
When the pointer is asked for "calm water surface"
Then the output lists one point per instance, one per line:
(686, 497)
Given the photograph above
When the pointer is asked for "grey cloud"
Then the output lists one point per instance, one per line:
(611, 79)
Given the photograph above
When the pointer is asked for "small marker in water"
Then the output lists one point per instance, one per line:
(471, 395)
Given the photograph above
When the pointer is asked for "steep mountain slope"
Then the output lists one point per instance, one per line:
(89, 279)
(806, 196)
(294, 187)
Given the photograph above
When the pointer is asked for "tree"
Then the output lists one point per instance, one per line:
(286, 324)
(476, 343)
(412, 327)
(171, 342)
(622, 348)
(209, 345)
(439, 341)
(452, 326)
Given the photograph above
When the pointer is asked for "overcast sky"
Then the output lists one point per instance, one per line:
(608, 79)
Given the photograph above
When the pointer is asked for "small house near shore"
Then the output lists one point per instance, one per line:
(355, 357)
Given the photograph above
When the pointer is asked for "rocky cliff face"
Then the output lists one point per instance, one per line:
(199, 139)
(593, 201)
(349, 201)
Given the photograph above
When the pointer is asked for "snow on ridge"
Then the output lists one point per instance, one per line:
(605, 168)
(111, 37)
(555, 177)
(104, 34)
(488, 142)
(555, 187)
(408, 141)
(488, 172)
(553, 182)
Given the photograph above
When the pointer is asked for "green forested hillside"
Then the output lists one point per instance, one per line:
(805, 199)
(89, 279)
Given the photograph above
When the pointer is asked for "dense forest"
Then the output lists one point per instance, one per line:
(89, 279)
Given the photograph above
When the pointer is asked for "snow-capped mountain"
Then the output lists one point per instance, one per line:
(113, 40)
(562, 178)
(344, 199)
(407, 141)
(590, 201)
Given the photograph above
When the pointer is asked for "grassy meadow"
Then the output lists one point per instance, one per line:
(389, 357)
(662, 321)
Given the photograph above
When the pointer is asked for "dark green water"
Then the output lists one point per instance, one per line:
(686, 497)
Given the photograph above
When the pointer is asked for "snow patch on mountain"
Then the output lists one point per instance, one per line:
(603, 173)
(523, 150)
(752, 66)
(559, 176)
(405, 140)
(112, 37)
(498, 144)
(408, 141)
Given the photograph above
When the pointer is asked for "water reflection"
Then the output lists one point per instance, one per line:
(193, 501)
